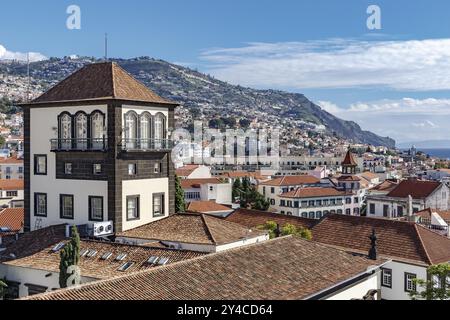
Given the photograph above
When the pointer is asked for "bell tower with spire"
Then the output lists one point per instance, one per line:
(349, 164)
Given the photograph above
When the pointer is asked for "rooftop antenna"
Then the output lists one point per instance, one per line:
(28, 77)
(106, 47)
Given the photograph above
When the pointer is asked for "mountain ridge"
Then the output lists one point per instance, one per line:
(195, 90)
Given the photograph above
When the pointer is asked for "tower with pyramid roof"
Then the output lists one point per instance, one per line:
(97, 151)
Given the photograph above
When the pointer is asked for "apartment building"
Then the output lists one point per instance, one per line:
(207, 189)
(11, 168)
(409, 196)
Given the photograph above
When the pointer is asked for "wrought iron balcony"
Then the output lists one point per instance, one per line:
(100, 144)
(147, 145)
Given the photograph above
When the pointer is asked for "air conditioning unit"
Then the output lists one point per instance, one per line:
(96, 229)
(101, 229)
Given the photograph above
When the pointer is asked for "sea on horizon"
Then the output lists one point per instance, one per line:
(441, 153)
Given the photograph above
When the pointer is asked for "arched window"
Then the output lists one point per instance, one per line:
(131, 130)
(97, 129)
(160, 130)
(65, 130)
(81, 133)
(160, 126)
(145, 130)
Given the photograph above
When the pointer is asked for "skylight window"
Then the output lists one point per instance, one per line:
(152, 260)
(126, 266)
(163, 261)
(106, 256)
(84, 252)
(91, 254)
(121, 257)
(58, 247)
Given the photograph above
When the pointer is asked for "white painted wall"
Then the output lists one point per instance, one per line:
(43, 128)
(33, 276)
(145, 188)
(220, 192)
(397, 292)
(359, 290)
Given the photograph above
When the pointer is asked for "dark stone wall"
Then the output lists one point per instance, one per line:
(27, 171)
(82, 165)
(171, 167)
(145, 162)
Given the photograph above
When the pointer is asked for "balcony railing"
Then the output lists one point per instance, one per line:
(147, 144)
(79, 144)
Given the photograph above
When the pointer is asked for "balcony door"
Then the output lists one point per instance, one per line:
(131, 120)
(160, 131)
(97, 130)
(145, 131)
(81, 131)
(65, 131)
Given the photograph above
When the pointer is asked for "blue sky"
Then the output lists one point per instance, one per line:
(392, 81)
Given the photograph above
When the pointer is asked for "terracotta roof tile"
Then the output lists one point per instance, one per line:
(206, 206)
(314, 192)
(34, 250)
(100, 81)
(10, 184)
(291, 181)
(11, 160)
(396, 239)
(195, 183)
(284, 268)
(191, 228)
(418, 189)
(349, 160)
(385, 186)
(12, 218)
(186, 170)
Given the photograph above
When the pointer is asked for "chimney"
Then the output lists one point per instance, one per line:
(67, 231)
(373, 246)
(278, 231)
(409, 208)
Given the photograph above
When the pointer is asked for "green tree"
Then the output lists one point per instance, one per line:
(286, 230)
(437, 285)
(69, 256)
(3, 287)
(180, 204)
(250, 197)
(244, 123)
(237, 189)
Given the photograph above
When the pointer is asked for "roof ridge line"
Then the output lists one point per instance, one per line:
(113, 76)
(422, 244)
(208, 231)
(142, 84)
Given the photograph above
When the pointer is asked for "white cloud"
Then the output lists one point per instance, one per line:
(9, 55)
(404, 119)
(418, 65)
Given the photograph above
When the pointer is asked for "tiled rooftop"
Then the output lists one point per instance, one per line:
(283, 268)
